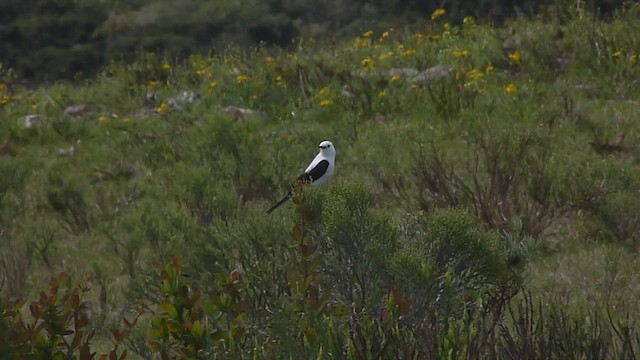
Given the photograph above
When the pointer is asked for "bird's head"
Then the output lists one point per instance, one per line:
(327, 148)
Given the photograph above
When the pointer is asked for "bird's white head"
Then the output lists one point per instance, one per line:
(327, 149)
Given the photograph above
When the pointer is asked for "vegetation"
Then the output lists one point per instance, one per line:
(484, 202)
(47, 40)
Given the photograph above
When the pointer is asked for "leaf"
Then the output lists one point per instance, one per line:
(297, 232)
(242, 306)
(197, 328)
(118, 335)
(168, 308)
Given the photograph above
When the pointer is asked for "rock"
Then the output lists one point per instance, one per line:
(403, 72)
(238, 113)
(185, 97)
(432, 73)
(30, 121)
(77, 110)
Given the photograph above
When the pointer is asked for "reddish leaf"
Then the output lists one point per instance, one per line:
(235, 275)
(175, 262)
(297, 232)
(118, 335)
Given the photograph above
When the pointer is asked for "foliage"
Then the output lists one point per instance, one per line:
(483, 204)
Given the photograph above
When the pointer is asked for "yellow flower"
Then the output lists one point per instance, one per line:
(326, 102)
(488, 69)
(166, 66)
(368, 34)
(633, 59)
(408, 53)
(395, 78)
(461, 53)
(359, 42)
(162, 108)
(279, 80)
(385, 34)
(468, 20)
(152, 84)
(437, 14)
(102, 118)
(269, 60)
(473, 76)
(242, 79)
(617, 53)
(510, 89)
(386, 55)
(324, 91)
(367, 63)
(382, 94)
(515, 56)
(212, 86)
(202, 72)
(5, 99)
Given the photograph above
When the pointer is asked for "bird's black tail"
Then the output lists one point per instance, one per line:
(284, 200)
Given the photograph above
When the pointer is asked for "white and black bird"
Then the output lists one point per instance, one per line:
(317, 173)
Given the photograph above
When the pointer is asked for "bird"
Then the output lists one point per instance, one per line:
(318, 173)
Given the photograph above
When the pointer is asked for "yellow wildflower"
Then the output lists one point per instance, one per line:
(368, 34)
(5, 99)
(461, 53)
(102, 118)
(395, 78)
(382, 94)
(515, 56)
(408, 53)
(633, 59)
(202, 72)
(212, 86)
(488, 69)
(386, 55)
(617, 53)
(324, 91)
(242, 79)
(152, 84)
(367, 64)
(279, 80)
(437, 14)
(326, 102)
(162, 108)
(359, 42)
(166, 66)
(468, 20)
(269, 60)
(475, 75)
(385, 34)
(510, 89)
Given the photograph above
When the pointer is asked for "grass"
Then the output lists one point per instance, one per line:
(537, 121)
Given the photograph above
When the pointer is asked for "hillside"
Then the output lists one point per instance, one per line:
(484, 202)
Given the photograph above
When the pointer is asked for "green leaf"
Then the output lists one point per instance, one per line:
(168, 308)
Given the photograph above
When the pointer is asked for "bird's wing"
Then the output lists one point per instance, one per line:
(313, 173)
